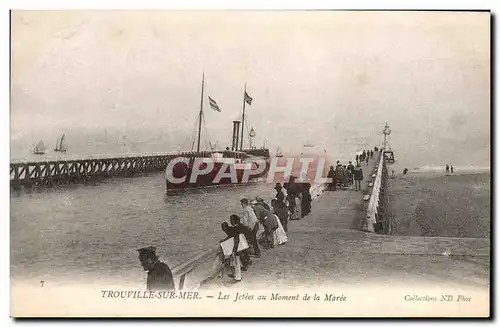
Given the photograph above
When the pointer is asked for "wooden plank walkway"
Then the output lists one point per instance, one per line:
(326, 248)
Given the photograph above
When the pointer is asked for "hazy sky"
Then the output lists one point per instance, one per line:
(314, 76)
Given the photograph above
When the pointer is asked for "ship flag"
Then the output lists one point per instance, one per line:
(248, 99)
(213, 104)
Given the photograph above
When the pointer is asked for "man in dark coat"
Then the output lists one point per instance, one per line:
(332, 175)
(237, 229)
(306, 198)
(262, 203)
(350, 171)
(358, 177)
(280, 197)
(159, 274)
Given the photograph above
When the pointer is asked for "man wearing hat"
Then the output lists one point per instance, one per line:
(159, 274)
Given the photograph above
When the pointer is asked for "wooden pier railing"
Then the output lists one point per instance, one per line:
(376, 221)
(192, 273)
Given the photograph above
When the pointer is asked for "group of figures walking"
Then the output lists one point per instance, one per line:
(344, 176)
(448, 169)
(292, 201)
(258, 216)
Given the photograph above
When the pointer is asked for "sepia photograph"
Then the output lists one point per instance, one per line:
(250, 163)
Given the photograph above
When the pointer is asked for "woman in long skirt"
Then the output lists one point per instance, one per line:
(279, 235)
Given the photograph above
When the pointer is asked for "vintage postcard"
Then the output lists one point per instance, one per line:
(250, 163)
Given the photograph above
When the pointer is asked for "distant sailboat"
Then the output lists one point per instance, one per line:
(39, 148)
(308, 145)
(279, 154)
(61, 144)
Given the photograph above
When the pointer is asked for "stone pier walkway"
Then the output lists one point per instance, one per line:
(326, 248)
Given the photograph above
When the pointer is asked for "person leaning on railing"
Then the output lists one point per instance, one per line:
(250, 219)
(239, 228)
(269, 221)
(234, 259)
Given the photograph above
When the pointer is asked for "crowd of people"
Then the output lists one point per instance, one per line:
(273, 220)
(448, 169)
(262, 226)
(344, 176)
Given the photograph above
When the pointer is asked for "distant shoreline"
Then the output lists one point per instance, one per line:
(456, 169)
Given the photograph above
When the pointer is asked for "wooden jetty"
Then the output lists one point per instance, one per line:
(75, 171)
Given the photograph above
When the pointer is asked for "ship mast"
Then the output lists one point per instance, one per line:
(243, 118)
(201, 113)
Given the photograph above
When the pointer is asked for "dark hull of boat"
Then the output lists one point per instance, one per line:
(210, 180)
(210, 188)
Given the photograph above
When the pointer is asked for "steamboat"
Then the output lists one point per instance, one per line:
(233, 166)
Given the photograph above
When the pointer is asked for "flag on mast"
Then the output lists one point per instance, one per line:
(213, 104)
(248, 99)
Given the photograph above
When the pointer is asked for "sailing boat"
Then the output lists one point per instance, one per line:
(279, 154)
(308, 145)
(61, 144)
(39, 148)
(232, 159)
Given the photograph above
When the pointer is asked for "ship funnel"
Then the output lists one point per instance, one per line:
(236, 133)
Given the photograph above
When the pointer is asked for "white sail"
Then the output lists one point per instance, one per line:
(39, 148)
(279, 153)
(61, 143)
(308, 145)
(57, 143)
